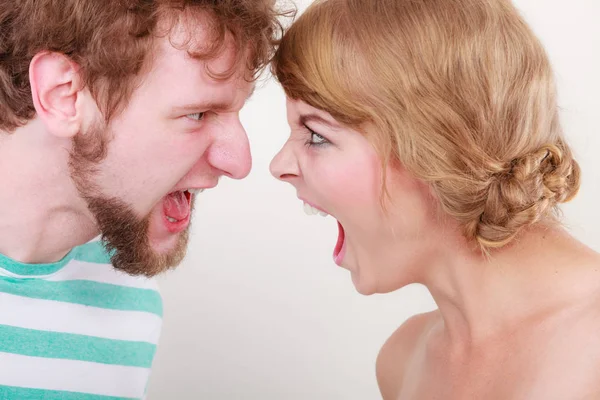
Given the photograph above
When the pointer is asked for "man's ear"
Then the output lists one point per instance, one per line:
(56, 88)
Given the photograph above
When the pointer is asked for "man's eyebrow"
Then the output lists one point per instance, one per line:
(202, 106)
(209, 105)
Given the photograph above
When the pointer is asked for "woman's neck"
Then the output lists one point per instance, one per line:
(545, 270)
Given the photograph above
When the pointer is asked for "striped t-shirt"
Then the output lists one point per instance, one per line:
(77, 329)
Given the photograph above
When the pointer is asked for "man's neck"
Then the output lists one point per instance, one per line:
(42, 217)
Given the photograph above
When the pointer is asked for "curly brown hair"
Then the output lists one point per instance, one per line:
(110, 40)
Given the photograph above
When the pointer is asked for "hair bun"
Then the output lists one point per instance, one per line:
(525, 191)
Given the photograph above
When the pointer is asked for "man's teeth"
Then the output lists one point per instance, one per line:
(172, 220)
(310, 210)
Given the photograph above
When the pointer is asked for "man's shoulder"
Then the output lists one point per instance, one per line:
(91, 271)
(94, 252)
(397, 351)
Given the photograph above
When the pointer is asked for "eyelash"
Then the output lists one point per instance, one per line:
(322, 141)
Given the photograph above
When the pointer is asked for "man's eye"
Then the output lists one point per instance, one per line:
(196, 116)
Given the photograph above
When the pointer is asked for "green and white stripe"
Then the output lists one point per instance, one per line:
(76, 329)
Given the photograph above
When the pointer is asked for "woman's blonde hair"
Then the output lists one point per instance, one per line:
(460, 92)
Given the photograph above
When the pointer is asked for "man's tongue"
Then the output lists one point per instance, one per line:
(177, 206)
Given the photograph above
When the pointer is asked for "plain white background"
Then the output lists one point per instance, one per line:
(258, 310)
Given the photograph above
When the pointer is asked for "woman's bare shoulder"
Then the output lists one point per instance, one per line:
(398, 350)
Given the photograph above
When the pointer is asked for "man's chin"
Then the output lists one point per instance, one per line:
(165, 246)
(150, 257)
(171, 248)
(161, 238)
(137, 247)
(164, 243)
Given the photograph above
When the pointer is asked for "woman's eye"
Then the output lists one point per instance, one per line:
(196, 116)
(316, 139)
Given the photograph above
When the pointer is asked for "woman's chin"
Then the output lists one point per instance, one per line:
(363, 286)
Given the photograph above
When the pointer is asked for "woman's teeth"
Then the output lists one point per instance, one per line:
(195, 191)
(310, 210)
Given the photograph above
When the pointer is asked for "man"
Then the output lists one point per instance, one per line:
(114, 115)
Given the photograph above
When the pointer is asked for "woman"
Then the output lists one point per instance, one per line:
(429, 129)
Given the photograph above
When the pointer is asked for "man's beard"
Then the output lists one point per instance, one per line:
(123, 233)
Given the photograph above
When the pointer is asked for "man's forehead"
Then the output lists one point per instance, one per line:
(225, 97)
(187, 25)
(176, 60)
(222, 80)
(195, 34)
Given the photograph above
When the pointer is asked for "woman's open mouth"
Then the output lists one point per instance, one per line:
(340, 248)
